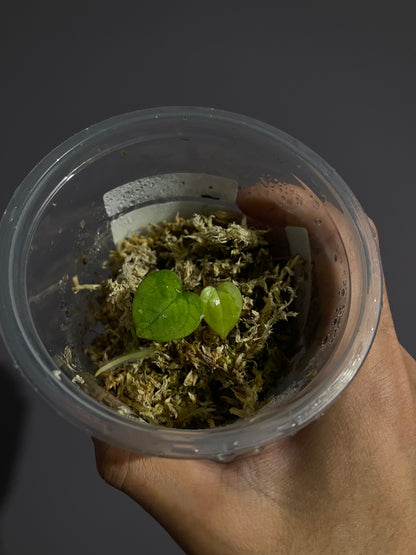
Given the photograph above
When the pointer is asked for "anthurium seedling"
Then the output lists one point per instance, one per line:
(162, 311)
(222, 307)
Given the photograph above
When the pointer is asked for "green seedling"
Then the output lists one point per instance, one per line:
(163, 312)
(222, 307)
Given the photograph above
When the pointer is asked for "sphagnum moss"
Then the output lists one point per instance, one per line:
(201, 380)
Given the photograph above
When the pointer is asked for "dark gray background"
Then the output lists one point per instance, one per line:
(341, 79)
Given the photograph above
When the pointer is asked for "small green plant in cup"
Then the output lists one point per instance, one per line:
(163, 312)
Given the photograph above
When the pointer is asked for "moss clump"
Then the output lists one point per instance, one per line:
(201, 380)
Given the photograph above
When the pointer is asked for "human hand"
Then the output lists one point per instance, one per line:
(344, 484)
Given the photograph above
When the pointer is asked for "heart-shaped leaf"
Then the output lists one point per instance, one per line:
(161, 311)
(222, 307)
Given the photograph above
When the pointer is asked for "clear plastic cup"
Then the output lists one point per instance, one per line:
(116, 177)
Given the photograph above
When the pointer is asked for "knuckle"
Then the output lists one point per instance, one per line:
(112, 465)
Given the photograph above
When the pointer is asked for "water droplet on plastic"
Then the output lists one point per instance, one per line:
(225, 457)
